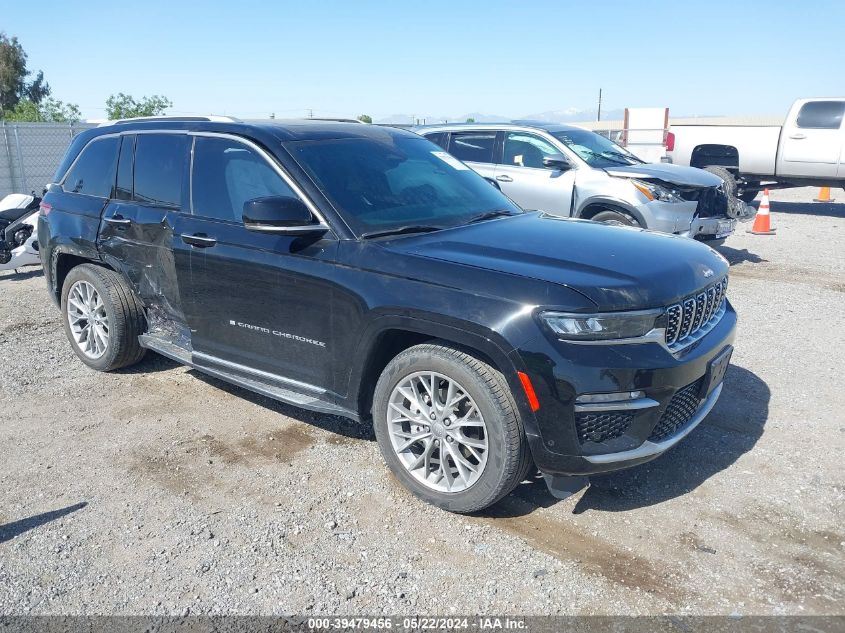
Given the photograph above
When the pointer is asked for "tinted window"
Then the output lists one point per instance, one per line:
(159, 160)
(384, 182)
(473, 146)
(438, 138)
(123, 188)
(226, 174)
(93, 173)
(826, 115)
(526, 150)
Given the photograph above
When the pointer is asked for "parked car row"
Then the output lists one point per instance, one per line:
(574, 172)
(366, 272)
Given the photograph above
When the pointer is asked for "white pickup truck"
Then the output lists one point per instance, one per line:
(808, 149)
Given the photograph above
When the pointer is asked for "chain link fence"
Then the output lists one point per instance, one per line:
(31, 152)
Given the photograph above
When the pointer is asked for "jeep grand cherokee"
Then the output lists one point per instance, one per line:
(364, 272)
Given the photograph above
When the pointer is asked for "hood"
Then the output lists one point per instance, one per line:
(618, 268)
(675, 174)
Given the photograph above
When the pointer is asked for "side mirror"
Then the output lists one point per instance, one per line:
(280, 214)
(556, 161)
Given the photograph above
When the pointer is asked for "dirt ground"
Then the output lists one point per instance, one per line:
(157, 490)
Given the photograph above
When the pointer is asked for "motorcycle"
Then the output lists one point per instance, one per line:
(18, 238)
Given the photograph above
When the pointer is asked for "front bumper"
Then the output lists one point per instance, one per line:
(565, 443)
(711, 228)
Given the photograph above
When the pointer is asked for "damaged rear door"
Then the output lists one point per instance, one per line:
(139, 222)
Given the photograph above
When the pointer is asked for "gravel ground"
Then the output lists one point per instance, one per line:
(158, 490)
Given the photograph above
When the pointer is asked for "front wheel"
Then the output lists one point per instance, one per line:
(448, 428)
(615, 218)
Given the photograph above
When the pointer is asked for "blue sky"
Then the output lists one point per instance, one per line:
(508, 58)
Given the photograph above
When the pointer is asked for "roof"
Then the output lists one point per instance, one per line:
(281, 129)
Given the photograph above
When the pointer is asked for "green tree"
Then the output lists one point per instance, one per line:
(470, 120)
(365, 118)
(48, 111)
(13, 77)
(123, 106)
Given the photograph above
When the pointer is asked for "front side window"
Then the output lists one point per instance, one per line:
(823, 115)
(526, 150)
(226, 174)
(159, 163)
(473, 147)
(596, 150)
(385, 182)
(93, 172)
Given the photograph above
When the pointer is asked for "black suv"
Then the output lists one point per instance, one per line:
(362, 271)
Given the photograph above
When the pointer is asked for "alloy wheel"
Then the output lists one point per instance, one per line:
(437, 431)
(89, 323)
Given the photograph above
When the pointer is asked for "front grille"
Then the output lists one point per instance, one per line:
(688, 318)
(712, 201)
(601, 425)
(681, 408)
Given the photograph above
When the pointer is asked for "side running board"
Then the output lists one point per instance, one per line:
(184, 356)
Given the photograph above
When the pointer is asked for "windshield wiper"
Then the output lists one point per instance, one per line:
(489, 215)
(625, 156)
(411, 228)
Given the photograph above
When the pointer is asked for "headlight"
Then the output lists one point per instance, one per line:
(656, 192)
(600, 327)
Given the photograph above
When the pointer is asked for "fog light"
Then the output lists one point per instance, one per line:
(622, 396)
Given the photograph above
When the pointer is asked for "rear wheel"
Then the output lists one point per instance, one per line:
(448, 428)
(615, 218)
(102, 318)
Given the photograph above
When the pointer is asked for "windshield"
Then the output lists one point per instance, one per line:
(596, 150)
(389, 182)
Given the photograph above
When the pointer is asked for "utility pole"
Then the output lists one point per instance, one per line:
(598, 116)
(310, 113)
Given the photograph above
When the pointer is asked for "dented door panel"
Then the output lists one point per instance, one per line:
(138, 241)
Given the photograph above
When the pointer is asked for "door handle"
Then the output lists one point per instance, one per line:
(504, 178)
(118, 219)
(199, 240)
(798, 137)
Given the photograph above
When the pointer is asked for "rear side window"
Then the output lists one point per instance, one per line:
(159, 162)
(475, 147)
(226, 174)
(93, 173)
(439, 138)
(123, 188)
(824, 115)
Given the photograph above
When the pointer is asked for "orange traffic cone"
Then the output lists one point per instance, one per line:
(824, 195)
(761, 220)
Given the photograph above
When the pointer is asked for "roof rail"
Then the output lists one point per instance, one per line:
(211, 117)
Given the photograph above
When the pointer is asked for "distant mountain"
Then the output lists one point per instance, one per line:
(571, 115)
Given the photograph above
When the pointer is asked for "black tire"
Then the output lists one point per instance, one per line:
(125, 317)
(509, 459)
(727, 176)
(615, 218)
(748, 194)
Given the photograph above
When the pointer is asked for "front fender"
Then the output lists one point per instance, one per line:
(466, 334)
(610, 202)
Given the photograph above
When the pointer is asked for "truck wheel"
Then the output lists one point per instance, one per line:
(448, 428)
(727, 176)
(615, 218)
(748, 195)
(102, 318)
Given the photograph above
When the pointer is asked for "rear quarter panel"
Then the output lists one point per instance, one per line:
(70, 227)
